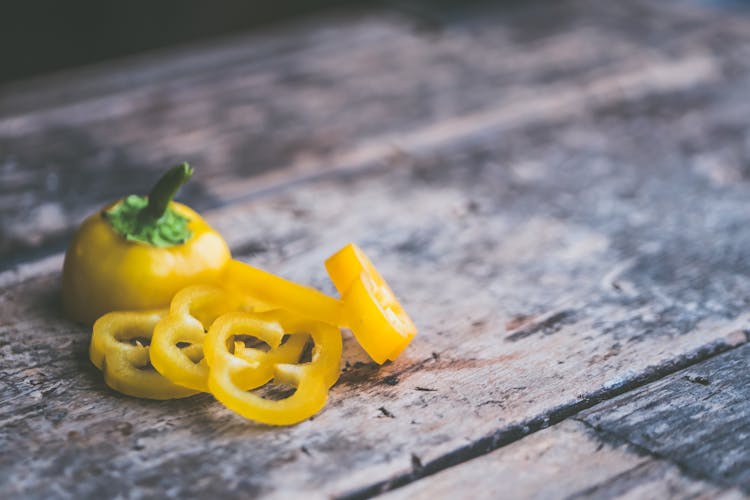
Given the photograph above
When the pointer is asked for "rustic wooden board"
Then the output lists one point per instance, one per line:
(301, 100)
(698, 418)
(537, 294)
(564, 461)
(640, 445)
(523, 322)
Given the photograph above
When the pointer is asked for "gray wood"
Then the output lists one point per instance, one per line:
(558, 238)
(312, 97)
(685, 435)
(567, 460)
(656, 480)
(698, 418)
(465, 280)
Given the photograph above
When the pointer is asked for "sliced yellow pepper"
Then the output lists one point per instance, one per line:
(367, 305)
(270, 333)
(371, 310)
(278, 292)
(119, 347)
(232, 374)
(191, 313)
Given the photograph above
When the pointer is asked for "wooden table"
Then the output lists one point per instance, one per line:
(560, 194)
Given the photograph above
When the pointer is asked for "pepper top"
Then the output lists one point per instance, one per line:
(149, 219)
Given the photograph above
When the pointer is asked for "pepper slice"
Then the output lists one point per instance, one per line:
(274, 290)
(191, 312)
(262, 361)
(119, 347)
(231, 375)
(371, 310)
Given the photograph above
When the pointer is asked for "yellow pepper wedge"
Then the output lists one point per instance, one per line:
(279, 292)
(119, 347)
(371, 310)
(231, 375)
(191, 313)
(138, 252)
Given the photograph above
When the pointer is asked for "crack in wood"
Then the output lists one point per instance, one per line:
(611, 438)
(696, 419)
(505, 436)
(634, 475)
(548, 323)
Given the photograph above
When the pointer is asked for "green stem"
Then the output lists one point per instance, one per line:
(165, 189)
(150, 220)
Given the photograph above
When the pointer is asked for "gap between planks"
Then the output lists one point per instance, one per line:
(610, 437)
(506, 436)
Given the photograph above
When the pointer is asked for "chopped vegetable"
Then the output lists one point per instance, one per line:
(233, 374)
(119, 347)
(191, 312)
(371, 310)
(231, 328)
(281, 293)
(367, 305)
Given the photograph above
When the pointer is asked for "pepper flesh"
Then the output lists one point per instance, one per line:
(372, 312)
(191, 312)
(104, 271)
(231, 375)
(117, 348)
(282, 293)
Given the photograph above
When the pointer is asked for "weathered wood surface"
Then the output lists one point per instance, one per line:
(305, 101)
(567, 460)
(567, 236)
(698, 419)
(638, 445)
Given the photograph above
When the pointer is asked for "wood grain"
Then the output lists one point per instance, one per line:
(565, 461)
(470, 258)
(74, 142)
(698, 418)
(638, 445)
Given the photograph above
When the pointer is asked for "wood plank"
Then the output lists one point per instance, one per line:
(265, 103)
(698, 419)
(657, 480)
(638, 445)
(567, 460)
(536, 296)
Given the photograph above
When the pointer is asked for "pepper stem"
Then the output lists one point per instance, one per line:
(165, 189)
(150, 220)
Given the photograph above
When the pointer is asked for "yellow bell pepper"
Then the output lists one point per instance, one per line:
(367, 305)
(371, 310)
(138, 252)
(233, 374)
(276, 291)
(119, 347)
(262, 361)
(191, 313)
